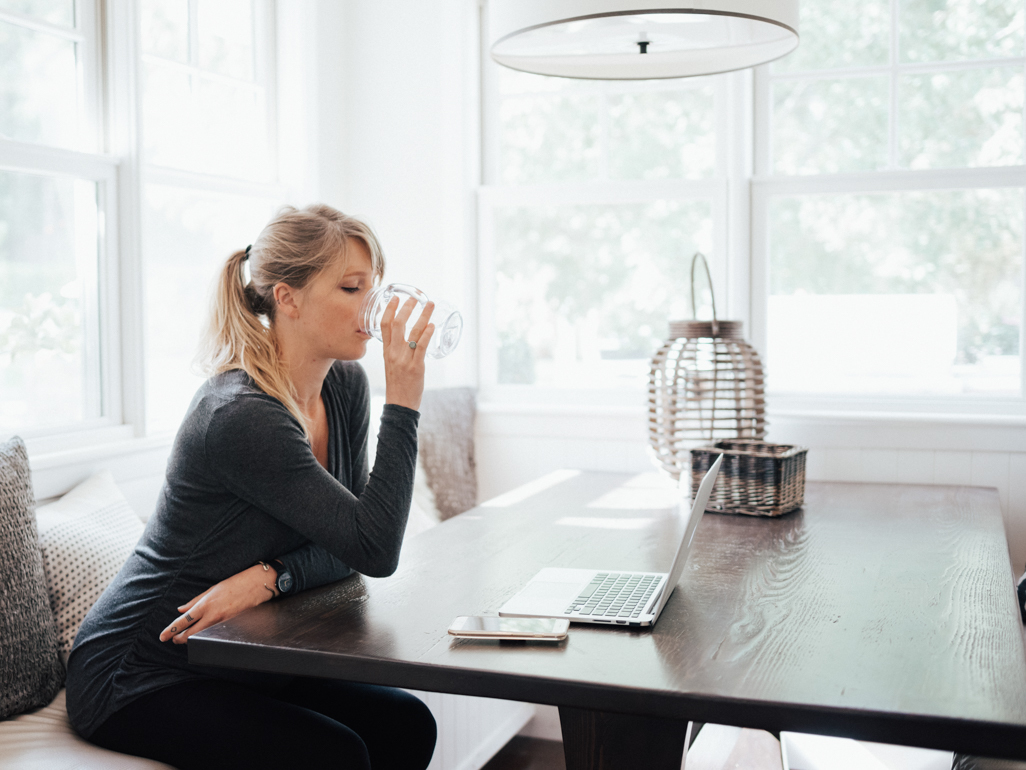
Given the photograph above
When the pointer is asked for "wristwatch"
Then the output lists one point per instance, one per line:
(284, 581)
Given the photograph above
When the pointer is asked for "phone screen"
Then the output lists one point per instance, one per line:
(515, 625)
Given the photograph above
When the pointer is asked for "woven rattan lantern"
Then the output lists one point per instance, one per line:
(705, 384)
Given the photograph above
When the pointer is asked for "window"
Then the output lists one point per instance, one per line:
(598, 194)
(56, 196)
(209, 173)
(163, 138)
(890, 203)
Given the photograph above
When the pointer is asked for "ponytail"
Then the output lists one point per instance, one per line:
(238, 338)
(292, 249)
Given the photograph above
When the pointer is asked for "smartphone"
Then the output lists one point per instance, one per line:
(479, 627)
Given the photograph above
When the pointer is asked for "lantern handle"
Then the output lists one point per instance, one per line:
(712, 291)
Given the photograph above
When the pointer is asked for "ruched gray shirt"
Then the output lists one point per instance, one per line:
(243, 486)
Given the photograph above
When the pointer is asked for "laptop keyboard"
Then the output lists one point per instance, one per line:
(615, 594)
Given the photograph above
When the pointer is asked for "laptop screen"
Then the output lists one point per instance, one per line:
(694, 517)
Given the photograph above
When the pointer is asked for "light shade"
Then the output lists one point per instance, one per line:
(640, 39)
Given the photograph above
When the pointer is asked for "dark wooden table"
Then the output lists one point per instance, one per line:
(880, 612)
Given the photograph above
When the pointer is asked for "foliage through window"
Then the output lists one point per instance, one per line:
(51, 234)
(601, 193)
(909, 282)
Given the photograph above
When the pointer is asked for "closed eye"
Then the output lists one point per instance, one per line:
(350, 289)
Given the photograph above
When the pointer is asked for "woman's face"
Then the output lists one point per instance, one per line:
(329, 307)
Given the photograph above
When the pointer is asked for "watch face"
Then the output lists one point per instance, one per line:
(284, 582)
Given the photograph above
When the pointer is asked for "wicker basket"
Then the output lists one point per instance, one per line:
(757, 478)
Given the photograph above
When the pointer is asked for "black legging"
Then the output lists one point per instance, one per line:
(307, 723)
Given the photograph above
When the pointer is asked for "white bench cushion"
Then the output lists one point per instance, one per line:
(44, 740)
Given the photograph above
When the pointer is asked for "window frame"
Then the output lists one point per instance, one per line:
(189, 181)
(721, 190)
(108, 72)
(766, 185)
(103, 330)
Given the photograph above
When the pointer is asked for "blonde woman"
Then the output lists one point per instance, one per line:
(267, 492)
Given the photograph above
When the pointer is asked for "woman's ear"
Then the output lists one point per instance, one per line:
(287, 300)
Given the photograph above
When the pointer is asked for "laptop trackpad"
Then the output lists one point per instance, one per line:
(547, 590)
(541, 598)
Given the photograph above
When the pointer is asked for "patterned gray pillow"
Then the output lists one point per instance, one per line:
(85, 537)
(446, 437)
(31, 673)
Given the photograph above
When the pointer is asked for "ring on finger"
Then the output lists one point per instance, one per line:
(413, 345)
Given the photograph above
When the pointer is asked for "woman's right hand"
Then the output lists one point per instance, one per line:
(404, 366)
(223, 601)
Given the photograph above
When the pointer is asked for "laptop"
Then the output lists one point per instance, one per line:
(613, 597)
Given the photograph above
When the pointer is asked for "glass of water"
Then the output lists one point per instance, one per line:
(447, 319)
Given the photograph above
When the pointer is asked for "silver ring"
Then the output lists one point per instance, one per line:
(413, 345)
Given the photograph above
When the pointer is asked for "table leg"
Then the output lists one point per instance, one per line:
(598, 740)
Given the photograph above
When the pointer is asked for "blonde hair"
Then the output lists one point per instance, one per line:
(293, 248)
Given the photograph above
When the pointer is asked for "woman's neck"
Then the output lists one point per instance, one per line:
(308, 379)
(306, 370)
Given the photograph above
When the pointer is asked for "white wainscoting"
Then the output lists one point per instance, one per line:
(515, 443)
(472, 730)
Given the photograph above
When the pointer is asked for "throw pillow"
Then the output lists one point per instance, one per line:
(446, 435)
(30, 671)
(85, 537)
(423, 509)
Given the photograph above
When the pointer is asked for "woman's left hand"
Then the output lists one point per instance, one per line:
(221, 602)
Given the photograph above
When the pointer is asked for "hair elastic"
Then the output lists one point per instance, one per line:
(247, 251)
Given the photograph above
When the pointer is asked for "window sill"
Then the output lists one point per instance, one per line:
(814, 428)
(58, 464)
(46, 456)
(900, 418)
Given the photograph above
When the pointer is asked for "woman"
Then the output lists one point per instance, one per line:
(267, 491)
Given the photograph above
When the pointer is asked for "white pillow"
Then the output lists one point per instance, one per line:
(85, 537)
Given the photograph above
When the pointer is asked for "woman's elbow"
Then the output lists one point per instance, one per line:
(382, 563)
(382, 569)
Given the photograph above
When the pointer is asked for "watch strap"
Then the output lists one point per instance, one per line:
(284, 582)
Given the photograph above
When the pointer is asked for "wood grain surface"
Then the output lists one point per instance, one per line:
(882, 612)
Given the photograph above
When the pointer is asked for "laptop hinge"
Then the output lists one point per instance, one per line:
(655, 598)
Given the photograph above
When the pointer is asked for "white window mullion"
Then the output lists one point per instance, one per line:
(90, 72)
(1022, 315)
(194, 33)
(487, 353)
(35, 158)
(763, 117)
(892, 118)
(760, 266)
(491, 102)
(265, 29)
(893, 181)
(196, 72)
(124, 311)
(208, 182)
(736, 161)
(92, 267)
(31, 22)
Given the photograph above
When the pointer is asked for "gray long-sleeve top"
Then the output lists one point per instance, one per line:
(244, 486)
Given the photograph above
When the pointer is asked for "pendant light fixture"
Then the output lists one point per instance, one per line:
(640, 39)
